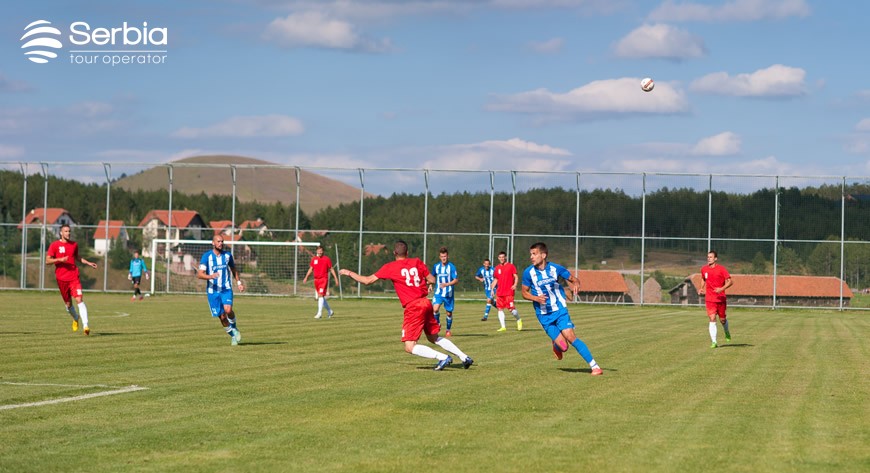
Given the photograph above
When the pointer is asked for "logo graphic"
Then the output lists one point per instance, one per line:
(38, 48)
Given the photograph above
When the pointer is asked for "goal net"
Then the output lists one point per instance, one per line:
(266, 267)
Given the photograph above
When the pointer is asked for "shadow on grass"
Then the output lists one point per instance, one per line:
(587, 370)
(261, 343)
(737, 345)
(19, 333)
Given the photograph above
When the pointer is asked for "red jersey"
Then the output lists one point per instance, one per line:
(504, 274)
(65, 270)
(320, 266)
(714, 277)
(409, 278)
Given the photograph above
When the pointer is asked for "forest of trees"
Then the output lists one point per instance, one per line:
(675, 219)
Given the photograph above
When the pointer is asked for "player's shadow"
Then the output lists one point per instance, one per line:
(112, 334)
(470, 335)
(18, 333)
(737, 345)
(586, 370)
(262, 343)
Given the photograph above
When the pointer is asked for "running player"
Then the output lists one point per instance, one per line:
(410, 279)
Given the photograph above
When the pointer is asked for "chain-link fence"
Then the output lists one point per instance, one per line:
(803, 239)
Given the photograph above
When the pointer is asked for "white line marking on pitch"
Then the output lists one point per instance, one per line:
(127, 389)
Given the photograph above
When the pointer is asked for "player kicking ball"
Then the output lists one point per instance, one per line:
(541, 286)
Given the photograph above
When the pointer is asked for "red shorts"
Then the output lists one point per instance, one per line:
(504, 302)
(419, 317)
(717, 308)
(320, 286)
(70, 289)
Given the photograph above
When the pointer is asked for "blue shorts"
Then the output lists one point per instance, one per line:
(217, 301)
(554, 323)
(446, 302)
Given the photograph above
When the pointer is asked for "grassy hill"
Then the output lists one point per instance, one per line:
(266, 185)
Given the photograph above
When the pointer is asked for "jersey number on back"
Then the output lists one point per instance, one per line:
(411, 275)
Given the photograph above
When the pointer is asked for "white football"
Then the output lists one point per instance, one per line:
(647, 84)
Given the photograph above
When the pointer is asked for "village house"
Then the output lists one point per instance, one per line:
(54, 218)
(103, 239)
(186, 225)
(757, 290)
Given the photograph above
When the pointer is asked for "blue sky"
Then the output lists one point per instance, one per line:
(742, 86)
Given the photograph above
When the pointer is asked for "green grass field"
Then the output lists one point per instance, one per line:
(789, 394)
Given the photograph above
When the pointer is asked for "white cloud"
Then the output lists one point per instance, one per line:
(660, 41)
(863, 125)
(10, 152)
(723, 144)
(599, 99)
(513, 154)
(7, 85)
(246, 127)
(774, 81)
(736, 10)
(318, 30)
(549, 46)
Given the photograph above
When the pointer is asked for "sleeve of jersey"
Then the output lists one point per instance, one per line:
(562, 272)
(230, 261)
(527, 278)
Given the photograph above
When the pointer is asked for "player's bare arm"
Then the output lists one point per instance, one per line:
(359, 277)
(238, 278)
(527, 295)
(49, 260)
(89, 263)
(200, 274)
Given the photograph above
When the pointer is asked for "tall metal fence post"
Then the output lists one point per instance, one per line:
(23, 277)
(842, 239)
(168, 252)
(362, 195)
(107, 169)
(43, 230)
(642, 235)
(775, 240)
(425, 214)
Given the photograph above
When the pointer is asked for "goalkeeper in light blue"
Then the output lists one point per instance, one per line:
(541, 286)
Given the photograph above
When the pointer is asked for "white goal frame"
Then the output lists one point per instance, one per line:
(171, 242)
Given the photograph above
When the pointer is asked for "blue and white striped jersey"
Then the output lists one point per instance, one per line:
(220, 264)
(487, 275)
(444, 273)
(546, 281)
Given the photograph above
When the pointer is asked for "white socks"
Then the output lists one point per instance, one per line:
(83, 313)
(451, 347)
(319, 305)
(713, 331)
(501, 318)
(426, 352)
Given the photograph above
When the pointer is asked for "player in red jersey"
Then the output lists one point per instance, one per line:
(715, 279)
(411, 280)
(64, 255)
(505, 286)
(320, 266)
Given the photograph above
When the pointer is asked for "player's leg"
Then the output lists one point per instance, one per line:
(566, 327)
(448, 345)
(135, 289)
(417, 319)
(559, 344)
(227, 302)
(215, 306)
(724, 319)
(500, 306)
(325, 298)
(448, 308)
(76, 288)
(516, 314)
(711, 315)
(488, 306)
(436, 307)
(66, 295)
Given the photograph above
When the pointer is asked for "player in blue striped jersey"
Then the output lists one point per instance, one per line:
(445, 278)
(541, 286)
(485, 275)
(218, 269)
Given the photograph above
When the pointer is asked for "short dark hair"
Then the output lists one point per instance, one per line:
(400, 248)
(66, 225)
(486, 260)
(442, 250)
(716, 255)
(540, 246)
(502, 253)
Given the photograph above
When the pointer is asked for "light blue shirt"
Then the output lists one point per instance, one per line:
(137, 267)
(220, 264)
(546, 281)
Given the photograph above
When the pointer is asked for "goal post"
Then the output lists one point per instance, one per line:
(267, 267)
